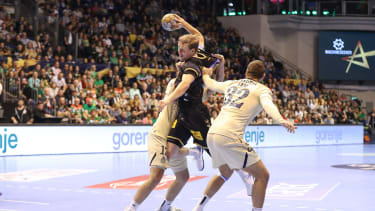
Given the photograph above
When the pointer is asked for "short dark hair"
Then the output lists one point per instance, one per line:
(255, 69)
(210, 45)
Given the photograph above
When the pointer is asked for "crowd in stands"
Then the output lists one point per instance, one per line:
(114, 35)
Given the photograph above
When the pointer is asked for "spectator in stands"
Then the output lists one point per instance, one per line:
(21, 114)
(122, 118)
(134, 91)
(147, 120)
(39, 113)
(329, 119)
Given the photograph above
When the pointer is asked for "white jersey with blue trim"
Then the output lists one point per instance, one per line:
(244, 100)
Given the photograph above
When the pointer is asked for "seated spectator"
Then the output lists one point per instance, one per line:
(122, 118)
(21, 114)
(134, 91)
(329, 120)
(88, 108)
(62, 108)
(39, 113)
(147, 120)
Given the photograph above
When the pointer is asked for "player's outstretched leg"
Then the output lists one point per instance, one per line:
(174, 189)
(156, 174)
(213, 186)
(259, 171)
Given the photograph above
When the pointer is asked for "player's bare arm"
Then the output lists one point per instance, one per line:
(191, 29)
(220, 69)
(182, 87)
(272, 110)
(211, 83)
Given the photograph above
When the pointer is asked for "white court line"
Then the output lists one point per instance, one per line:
(358, 154)
(6, 210)
(25, 202)
(330, 190)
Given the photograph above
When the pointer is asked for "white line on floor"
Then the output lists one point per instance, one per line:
(25, 202)
(330, 190)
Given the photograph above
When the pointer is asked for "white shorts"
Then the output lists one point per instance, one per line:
(157, 147)
(236, 153)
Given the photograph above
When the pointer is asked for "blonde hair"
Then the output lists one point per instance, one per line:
(191, 40)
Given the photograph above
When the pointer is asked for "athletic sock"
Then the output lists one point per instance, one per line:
(165, 205)
(134, 204)
(201, 203)
(257, 209)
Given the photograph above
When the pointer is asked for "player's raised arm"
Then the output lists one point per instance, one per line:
(213, 84)
(191, 29)
(220, 68)
(271, 109)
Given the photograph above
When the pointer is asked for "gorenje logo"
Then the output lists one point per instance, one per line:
(8, 141)
(254, 136)
(135, 138)
(328, 136)
(338, 45)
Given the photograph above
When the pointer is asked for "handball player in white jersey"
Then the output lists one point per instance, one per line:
(244, 100)
(157, 144)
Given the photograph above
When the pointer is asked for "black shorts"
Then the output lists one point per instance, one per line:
(194, 124)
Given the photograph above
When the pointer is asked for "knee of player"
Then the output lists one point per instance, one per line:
(225, 174)
(264, 175)
(182, 178)
(156, 178)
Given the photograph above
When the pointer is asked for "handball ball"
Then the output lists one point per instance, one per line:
(168, 23)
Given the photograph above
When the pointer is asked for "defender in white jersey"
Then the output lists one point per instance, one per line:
(157, 144)
(244, 100)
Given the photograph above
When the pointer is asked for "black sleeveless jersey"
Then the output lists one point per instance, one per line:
(194, 94)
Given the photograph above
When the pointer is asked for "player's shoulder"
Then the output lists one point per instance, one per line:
(191, 63)
(263, 89)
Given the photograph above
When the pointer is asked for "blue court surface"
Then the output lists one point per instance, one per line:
(302, 178)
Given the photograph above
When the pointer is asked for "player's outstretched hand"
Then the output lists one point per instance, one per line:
(289, 126)
(207, 71)
(179, 21)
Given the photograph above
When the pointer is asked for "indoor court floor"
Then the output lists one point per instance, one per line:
(315, 178)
